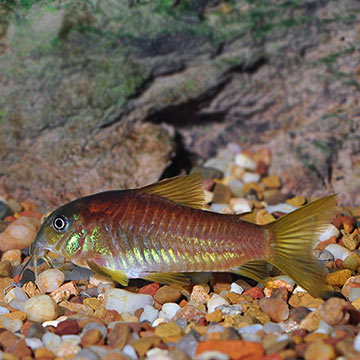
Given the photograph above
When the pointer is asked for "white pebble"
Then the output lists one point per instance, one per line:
(212, 355)
(249, 177)
(51, 341)
(34, 343)
(250, 329)
(17, 304)
(216, 163)
(12, 325)
(237, 187)
(158, 354)
(16, 293)
(245, 162)
(126, 301)
(338, 251)
(330, 231)
(72, 339)
(215, 301)
(219, 208)
(357, 342)
(169, 310)
(240, 205)
(324, 327)
(40, 308)
(4, 310)
(55, 322)
(299, 289)
(50, 279)
(282, 207)
(149, 314)
(129, 351)
(158, 321)
(354, 294)
(235, 288)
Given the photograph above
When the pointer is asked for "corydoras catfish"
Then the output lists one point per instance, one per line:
(160, 233)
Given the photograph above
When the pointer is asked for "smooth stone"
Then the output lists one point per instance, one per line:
(91, 326)
(235, 288)
(215, 301)
(4, 310)
(329, 232)
(125, 301)
(181, 323)
(240, 205)
(271, 327)
(4, 210)
(50, 279)
(354, 294)
(282, 207)
(250, 329)
(51, 341)
(237, 187)
(158, 354)
(357, 342)
(212, 355)
(250, 177)
(251, 337)
(99, 351)
(324, 328)
(338, 251)
(86, 354)
(245, 161)
(284, 278)
(34, 343)
(12, 325)
(231, 310)
(149, 314)
(158, 321)
(169, 310)
(40, 308)
(219, 208)
(129, 351)
(167, 294)
(325, 256)
(216, 163)
(16, 293)
(188, 344)
(17, 304)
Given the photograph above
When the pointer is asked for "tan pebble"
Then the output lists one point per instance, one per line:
(168, 329)
(49, 280)
(81, 308)
(311, 321)
(296, 201)
(215, 316)
(350, 241)
(209, 196)
(315, 337)
(167, 294)
(334, 311)
(254, 311)
(199, 294)
(263, 217)
(319, 350)
(338, 278)
(233, 298)
(356, 303)
(30, 289)
(228, 321)
(143, 345)
(44, 353)
(271, 182)
(5, 268)
(40, 308)
(14, 256)
(19, 315)
(66, 349)
(119, 335)
(127, 317)
(305, 299)
(255, 187)
(352, 262)
(238, 172)
(19, 234)
(352, 282)
(96, 279)
(5, 283)
(94, 303)
(92, 337)
(60, 296)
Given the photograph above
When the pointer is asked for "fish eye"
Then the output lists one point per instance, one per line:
(61, 223)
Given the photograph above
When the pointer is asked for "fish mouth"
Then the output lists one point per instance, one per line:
(37, 252)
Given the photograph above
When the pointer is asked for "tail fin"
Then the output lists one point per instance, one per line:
(295, 234)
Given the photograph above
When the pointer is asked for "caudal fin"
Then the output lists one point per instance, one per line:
(295, 234)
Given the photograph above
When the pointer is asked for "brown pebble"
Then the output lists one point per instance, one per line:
(43, 354)
(275, 307)
(167, 294)
(271, 182)
(143, 345)
(167, 329)
(5, 268)
(92, 337)
(118, 335)
(8, 340)
(311, 321)
(222, 194)
(199, 294)
(338, 278)
(68, 327)
(299, 313)
(110, 316)
(190, 313)
(337, 311)
(215, 316)
(319, 350)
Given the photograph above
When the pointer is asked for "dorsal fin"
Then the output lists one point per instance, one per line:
(184, 190)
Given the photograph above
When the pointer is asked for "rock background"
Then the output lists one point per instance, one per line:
(105, 94)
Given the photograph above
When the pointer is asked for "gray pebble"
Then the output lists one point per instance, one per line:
(230, 309)
(33, 343)
(354, 294)
(188, 344)
(325, 256)
(4, 210)
(99, 327)
(36, 331)
(86, 354)
(98, 350)
(129, 351)
(181, 323)
(271, 327)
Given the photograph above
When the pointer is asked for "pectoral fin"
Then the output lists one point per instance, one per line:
(177, 279)
(257, 270)
(116, 275)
